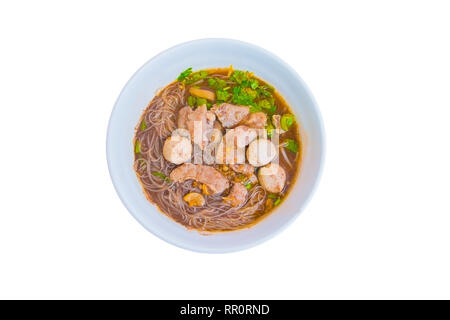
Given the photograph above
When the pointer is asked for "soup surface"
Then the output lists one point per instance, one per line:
(217, 149)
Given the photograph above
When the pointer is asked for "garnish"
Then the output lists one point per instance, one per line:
(222, 95)
(196, 102)
(239, 76)
(161, 175)
(277, 202)
(216, 83)
(184, 74)
(143, 125)
(137, 147)
(196, 76)
(291, 145)
(286, 121)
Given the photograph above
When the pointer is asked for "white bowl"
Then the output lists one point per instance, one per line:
(202, 54)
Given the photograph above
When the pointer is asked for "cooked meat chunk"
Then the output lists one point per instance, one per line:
(237, 195)
(232, 148)
(260, 152)
(183, 115)
(257, 120)
(243, 168)
(229, 114)
(194, 199)
(272, 178)
(252, 180)
(215, 138)
(203, 93)
(177, 149)
(217, 125)
(198, 122)
(241, 136)
(213, 179)
(276, 120)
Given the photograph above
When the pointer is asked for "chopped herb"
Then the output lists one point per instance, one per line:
(216, 83)
(208, 105)
(161, 175)
(291, 145)
(265, 91)
(269, 127)
(137, 147)
(248, 185)
(184, 74)
(286, 121)
(239, 76)
(191, 101)
(243, 96)
(255, 108)
(268, 105)
(200, 102)
(143, 125)
(272, 196)
(222, 95)
(252, 83)
(196, 76)
(197, 101)
(277, 202)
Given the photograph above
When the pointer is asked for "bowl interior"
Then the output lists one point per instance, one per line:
(163, 69)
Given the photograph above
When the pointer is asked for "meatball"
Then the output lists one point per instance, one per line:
(272, 178)
(177, 149)
(260, 152)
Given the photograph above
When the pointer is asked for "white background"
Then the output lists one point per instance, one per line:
(378, 226)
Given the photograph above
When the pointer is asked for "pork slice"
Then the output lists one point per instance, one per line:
(237, 195)
(183, 115)
(256, 120)
(243, 168)
(229, 114)
(199, 123)
(207, 175)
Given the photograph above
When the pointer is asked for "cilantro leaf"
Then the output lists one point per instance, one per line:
(291, 145)
(184, 74)
(196, 76)
(239, 76)
(286, 121)
(277, 202)
(161, 175)
(222, 95)
(143, 125)
(255, 108)
(200, 101)
(137, 147)
(216, 83)
(191, 101)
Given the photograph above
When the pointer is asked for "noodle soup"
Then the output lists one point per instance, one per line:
(217, 149)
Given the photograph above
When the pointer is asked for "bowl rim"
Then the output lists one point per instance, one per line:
(275, 232)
